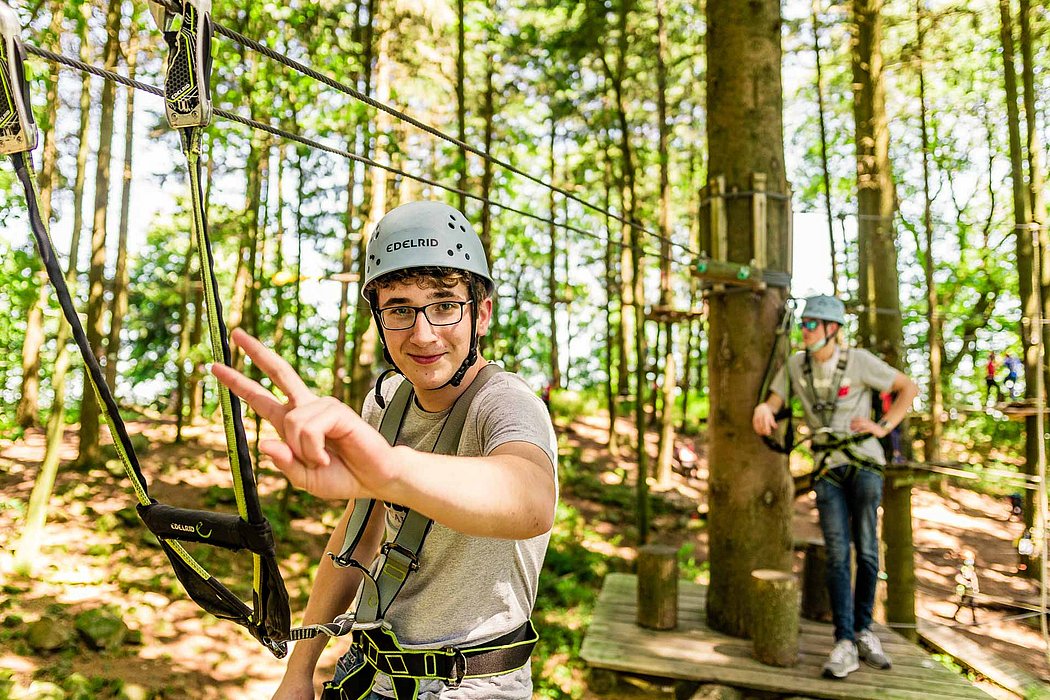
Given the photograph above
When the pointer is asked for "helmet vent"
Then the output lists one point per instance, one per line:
(452, 225)
(450, 252)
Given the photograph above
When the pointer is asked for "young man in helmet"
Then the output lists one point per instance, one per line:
(836, 386)
(474, 581)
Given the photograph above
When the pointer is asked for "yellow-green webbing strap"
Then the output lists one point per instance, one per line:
(245, 493)
(23, 165)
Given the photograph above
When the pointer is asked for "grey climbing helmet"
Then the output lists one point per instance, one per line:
(825, 308)
(424, 234)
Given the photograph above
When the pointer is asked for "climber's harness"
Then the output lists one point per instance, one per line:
(824, 442)
(375, 645)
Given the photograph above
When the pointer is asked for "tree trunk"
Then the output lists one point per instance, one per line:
(554, 371)
(28, 548)
(670, 378)
(186, 287)
(340, 378)
(242, 280)
(461, 102)
(824, 147)
(297, 298)
(751, 497)
(881, 332)
(120, 275)
(366, 335)
(1025, 250)
(27, 412)
(631, 287)
(488, 113)
(610, 299)
(933, 317)
(280, 303)
(89, 408)
(694, 291)
(1035, 189)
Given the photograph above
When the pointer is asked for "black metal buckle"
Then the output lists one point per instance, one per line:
(413, 560)
(459, 667)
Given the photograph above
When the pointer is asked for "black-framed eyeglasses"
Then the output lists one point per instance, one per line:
(439, 313)
(810, 324)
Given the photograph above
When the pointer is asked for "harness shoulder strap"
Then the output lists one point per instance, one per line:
(400, 556)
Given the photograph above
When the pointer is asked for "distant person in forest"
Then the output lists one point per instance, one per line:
(1013, 370)
(836, 386)
(991, 379)
(448, 617)
(686, 458)
(966, 586)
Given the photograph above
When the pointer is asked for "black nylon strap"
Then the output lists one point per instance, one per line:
(225, 530)
(825, 409)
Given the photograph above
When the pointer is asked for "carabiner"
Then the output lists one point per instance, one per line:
(18, 132)
(187, 85)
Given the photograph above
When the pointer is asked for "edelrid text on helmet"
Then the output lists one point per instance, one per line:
(825, 308)
(424, 234)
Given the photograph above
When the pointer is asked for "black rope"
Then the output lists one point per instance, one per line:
(306, 141)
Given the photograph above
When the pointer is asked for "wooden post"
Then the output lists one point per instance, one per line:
(719, 225)
(758, 219)
(774, 617)
(816, 603)
(658, 587)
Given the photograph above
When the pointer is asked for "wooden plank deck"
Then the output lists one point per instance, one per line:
(693, 651)
(972, 655)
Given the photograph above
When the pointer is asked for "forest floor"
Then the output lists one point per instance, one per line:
(96, 554)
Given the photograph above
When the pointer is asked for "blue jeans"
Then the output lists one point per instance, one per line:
(850, 512)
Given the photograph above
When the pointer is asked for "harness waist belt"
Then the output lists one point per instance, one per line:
(509, 652)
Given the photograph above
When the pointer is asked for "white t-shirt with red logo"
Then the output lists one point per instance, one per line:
(863, 374)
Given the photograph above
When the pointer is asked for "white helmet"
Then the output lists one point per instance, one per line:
(424, 234)
(419, 235)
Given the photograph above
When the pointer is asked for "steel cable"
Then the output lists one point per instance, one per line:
(312, 143)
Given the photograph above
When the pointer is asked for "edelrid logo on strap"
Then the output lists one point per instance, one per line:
(412, 243)
(191, 528)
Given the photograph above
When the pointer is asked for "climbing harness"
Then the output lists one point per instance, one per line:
(822, 441)
(375, 645)
(268, 618)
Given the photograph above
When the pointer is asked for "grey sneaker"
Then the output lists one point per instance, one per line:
(842, 661)
(871, 649)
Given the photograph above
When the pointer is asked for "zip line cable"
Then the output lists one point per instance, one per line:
(306, 70)
(276, 131)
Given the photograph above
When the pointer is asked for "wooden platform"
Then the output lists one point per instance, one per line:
(695, 652)
(972, 655)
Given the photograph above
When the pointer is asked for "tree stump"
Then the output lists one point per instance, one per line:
(774, 617)
(657, 587)
(816, 602)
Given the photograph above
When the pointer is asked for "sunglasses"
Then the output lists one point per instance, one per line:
(810, 324)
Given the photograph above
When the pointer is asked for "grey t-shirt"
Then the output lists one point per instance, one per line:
(863, 373)
(469, 590)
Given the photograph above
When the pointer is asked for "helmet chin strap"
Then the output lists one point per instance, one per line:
(472, 354)
(455, 380)
(819, 345)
